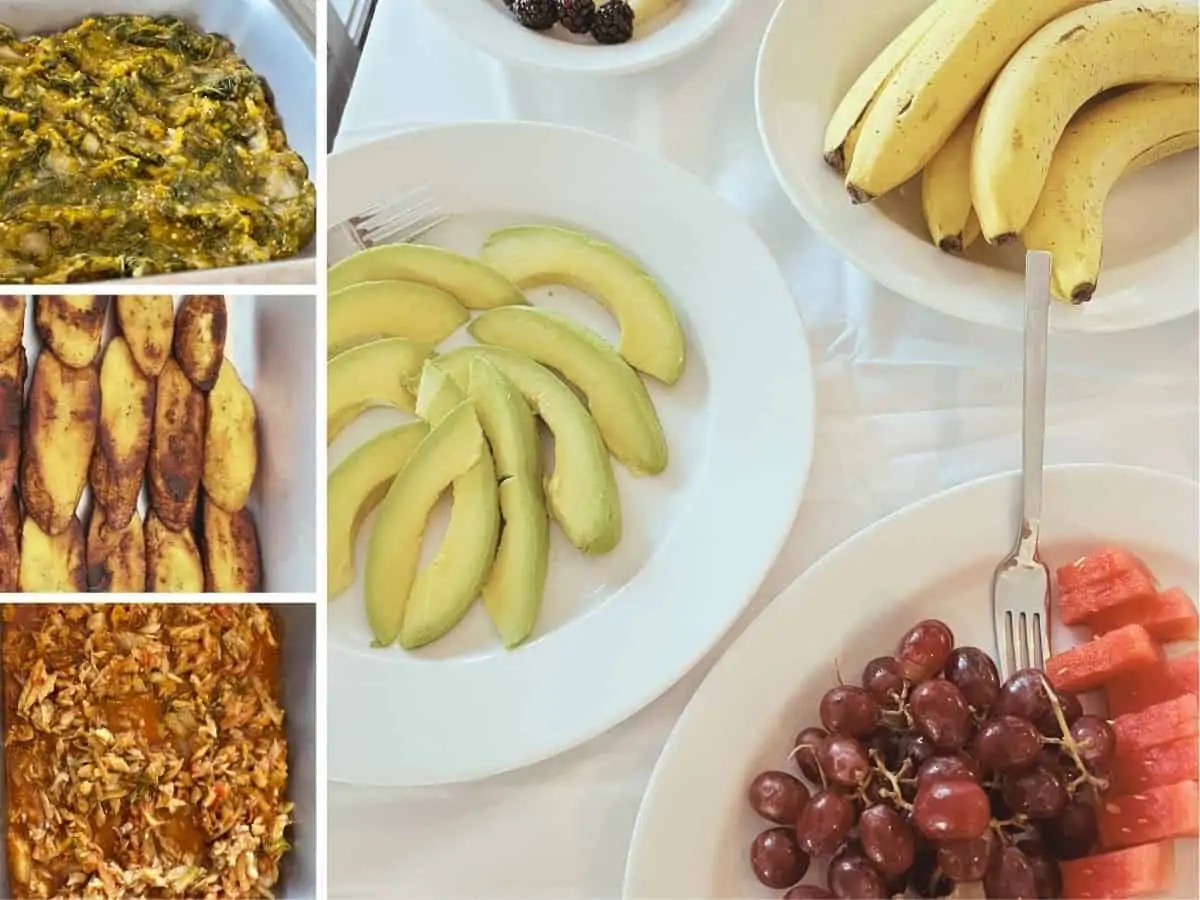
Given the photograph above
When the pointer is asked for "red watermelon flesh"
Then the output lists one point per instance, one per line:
(1163, 681)
(1078, 604)
(1135, 872)
(1100, 660)
(1157, 767)
(1104, 564)
(1170, 616)
(1172, 720)
(1155, 814)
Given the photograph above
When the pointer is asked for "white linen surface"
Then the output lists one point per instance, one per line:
(910, 402)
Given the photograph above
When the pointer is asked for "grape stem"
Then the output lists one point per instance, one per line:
(1068, 741)
(895, 794)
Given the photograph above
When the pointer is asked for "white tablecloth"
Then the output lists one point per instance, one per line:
(910, 402)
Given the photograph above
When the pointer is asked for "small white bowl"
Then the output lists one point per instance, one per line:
(811, 54)
(491, 27)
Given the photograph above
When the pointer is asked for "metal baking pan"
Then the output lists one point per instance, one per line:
(297, 625)
(276, 43)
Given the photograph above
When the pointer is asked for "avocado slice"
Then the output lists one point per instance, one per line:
(384, 309)
(513, 591)
(616, 396)
(581, 491)
(533, 255)
(381, 373)
(473, 284)
(448, 452)
(356, 487)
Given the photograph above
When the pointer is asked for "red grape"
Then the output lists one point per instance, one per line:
(845, 761)
(852, 875)
(1038, 793)
(886, 839)
(882, 679)
(940, 711)
(778, 796)
(849, 710)
(954, 810)
(968, 860)
(1046, 877)
(925, 879)
(1074, 832)
(1007, 742)
(916, 747)
(1072, 710)
(776, 859)
(1096, 742)
(1024, 696)
(807, 892)
(924, 649)
(973, 672)
(807, 753)
(945, 768)
(824, 823)
(1010, 877)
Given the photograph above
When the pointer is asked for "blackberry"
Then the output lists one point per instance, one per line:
(536, 14)
(613, 23)
(576, 15)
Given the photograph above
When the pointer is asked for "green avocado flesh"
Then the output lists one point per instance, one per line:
(380, 373)
(473, 284)
(534, 255)
(390, 309)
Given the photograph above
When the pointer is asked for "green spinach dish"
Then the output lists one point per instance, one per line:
(137, 145)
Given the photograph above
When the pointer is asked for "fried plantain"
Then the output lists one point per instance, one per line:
(123, 434)
(71, 326)
(148, 323)
(10, 543)
(52, 563)
(12, 323)
(176, 448)
(116, 557)
(231, 559)
(230, 445)
(173, 563)
(200, 328)
(59, 434)
(13, 370)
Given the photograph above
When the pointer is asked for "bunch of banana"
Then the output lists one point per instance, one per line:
(980, 97)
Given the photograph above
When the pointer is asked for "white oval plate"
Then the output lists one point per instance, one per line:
(617, 630)
(933, 559)
(491, 27)
(811, 54)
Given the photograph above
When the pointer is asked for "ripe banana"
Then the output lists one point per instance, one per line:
(842, 131)
(936, 85)
(1106, 141)
(1059, 69)
(946, 190)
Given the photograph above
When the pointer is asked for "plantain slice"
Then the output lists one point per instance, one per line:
(176, 448)
(12, 323)
(59, 434)
(13, 370)
(52, 563)
(148, 323)
(231, 559)
(116, 557)
(71, 326)
(123, 434)
(10, 544)
(230, 447)
(173, 564)
(200, 328)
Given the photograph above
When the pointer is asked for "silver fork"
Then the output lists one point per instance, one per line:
(396, 221)
(1021, 585)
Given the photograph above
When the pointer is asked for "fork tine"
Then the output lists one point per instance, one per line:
(417, 196)
(397, 220)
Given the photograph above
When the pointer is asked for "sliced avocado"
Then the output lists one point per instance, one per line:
(581, 492)
(533, 255)
(385, 309)
(513, 591)
(473, 284)
(381, 373)
(356, 487)
(616, 396)
(448, 452)
(437, 393)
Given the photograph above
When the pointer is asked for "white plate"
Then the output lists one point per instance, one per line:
(811, 54)
(933, 559)
(491, 27)
(617, 630)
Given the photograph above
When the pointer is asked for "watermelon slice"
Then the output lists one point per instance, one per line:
(1156, 767)
(1091, 664)
(1172, 720)
(1136, 872)
(1078, 604)
(1170, 616)
(1100, 565)
(1155, 814)
(1163, 681)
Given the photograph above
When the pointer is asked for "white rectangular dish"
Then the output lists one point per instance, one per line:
(272, 41)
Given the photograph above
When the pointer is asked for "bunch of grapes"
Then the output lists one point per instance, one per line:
(933, 773)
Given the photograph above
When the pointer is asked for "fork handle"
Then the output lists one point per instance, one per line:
(1033, 429)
